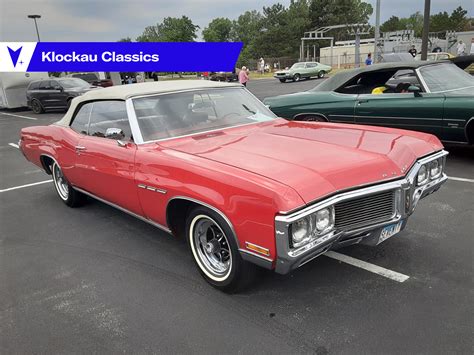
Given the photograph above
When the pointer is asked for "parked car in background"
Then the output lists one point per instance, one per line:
(432, 97)
(208, 162)
(223, 76)
(92, 78)
(303, 70)
(55, 93)
(435, 56)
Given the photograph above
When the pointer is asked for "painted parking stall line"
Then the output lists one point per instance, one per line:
(19, 116)
(14, 145)
(393, 275)
(460, 179)
(27, 185)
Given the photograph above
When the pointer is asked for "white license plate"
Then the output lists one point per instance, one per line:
(390, 231)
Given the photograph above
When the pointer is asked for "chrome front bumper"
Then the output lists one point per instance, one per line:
(407, 197)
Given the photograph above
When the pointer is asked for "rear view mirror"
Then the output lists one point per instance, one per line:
(114, 133)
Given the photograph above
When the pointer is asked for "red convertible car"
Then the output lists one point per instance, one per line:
(209, 162)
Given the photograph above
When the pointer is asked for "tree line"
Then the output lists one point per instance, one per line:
(276, 30)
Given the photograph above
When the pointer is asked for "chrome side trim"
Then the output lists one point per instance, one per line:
(151, 188)
(256, 255)
(465, 129)
(157, 225)
(312, 113)
(219, 212)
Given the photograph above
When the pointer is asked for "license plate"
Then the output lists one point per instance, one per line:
(390, 231)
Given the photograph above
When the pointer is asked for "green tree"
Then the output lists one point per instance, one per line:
(246, 29)
(459, 20)
(440, 22)
(126, 39)
(338, 12)
(392, 24)
(172, 29)
(218, 30)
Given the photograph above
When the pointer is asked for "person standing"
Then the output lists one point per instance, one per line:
(413, 51)
(243, 76)
(368, 60)
(262, 66)
(461, 48)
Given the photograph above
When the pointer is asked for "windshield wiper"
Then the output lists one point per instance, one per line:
(249, 110)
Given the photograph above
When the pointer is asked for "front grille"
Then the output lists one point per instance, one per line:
(365, 211)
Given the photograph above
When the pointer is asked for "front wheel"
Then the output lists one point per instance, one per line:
(65, 191)
(215, 251)
(321, 74)
(296, 77)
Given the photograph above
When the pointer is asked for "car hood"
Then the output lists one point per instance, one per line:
(282, 72)
(315, 159)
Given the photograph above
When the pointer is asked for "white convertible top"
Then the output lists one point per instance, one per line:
(123, 92)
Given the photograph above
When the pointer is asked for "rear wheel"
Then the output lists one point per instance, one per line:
(296, 77)
(215, 251)
(65, 191)
(36, 106)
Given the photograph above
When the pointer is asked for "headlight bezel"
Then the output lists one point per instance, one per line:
(427, 175)
(439, 163)
(313, 232)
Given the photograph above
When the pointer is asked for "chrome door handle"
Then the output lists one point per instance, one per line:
(79, 148)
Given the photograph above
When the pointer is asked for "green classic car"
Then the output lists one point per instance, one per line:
(303, 70)
(433, 97)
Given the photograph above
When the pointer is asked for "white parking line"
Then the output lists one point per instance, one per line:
(460, 179)
(14, 145)
(393, 275)
(20, 116)
(27, 185)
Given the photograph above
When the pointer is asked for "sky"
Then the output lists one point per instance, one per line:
(110, 20)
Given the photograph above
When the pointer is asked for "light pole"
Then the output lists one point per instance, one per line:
(34, 17)
(426, 29)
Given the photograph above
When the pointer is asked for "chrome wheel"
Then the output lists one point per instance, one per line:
(60, 182)
(210, 247)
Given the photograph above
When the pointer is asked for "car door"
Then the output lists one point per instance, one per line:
(43, 94)
(105, 166)
(311, 69)
(57, 95)
(402, 110)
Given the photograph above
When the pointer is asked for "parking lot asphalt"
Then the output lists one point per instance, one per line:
(94, 279)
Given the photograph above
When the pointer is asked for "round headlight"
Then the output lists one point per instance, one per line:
(422, 175)
(435, 169)
(323, 219)
(300, 230)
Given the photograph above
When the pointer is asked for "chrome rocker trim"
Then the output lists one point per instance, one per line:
(289, 259)
(157, 225)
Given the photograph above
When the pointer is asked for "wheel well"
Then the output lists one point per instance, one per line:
(470, 131)
(301, 116)
(47, 162)
(176, 213)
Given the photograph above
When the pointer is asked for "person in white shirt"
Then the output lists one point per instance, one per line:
(461, 48)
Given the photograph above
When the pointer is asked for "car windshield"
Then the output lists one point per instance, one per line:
(178, 114)
(435, 77)
(87, 77)
(74, 83)
(297, 66)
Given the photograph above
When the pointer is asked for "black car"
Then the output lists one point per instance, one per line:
(56, 93)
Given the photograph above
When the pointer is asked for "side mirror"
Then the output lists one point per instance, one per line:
(114, 133)
(415, 90)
